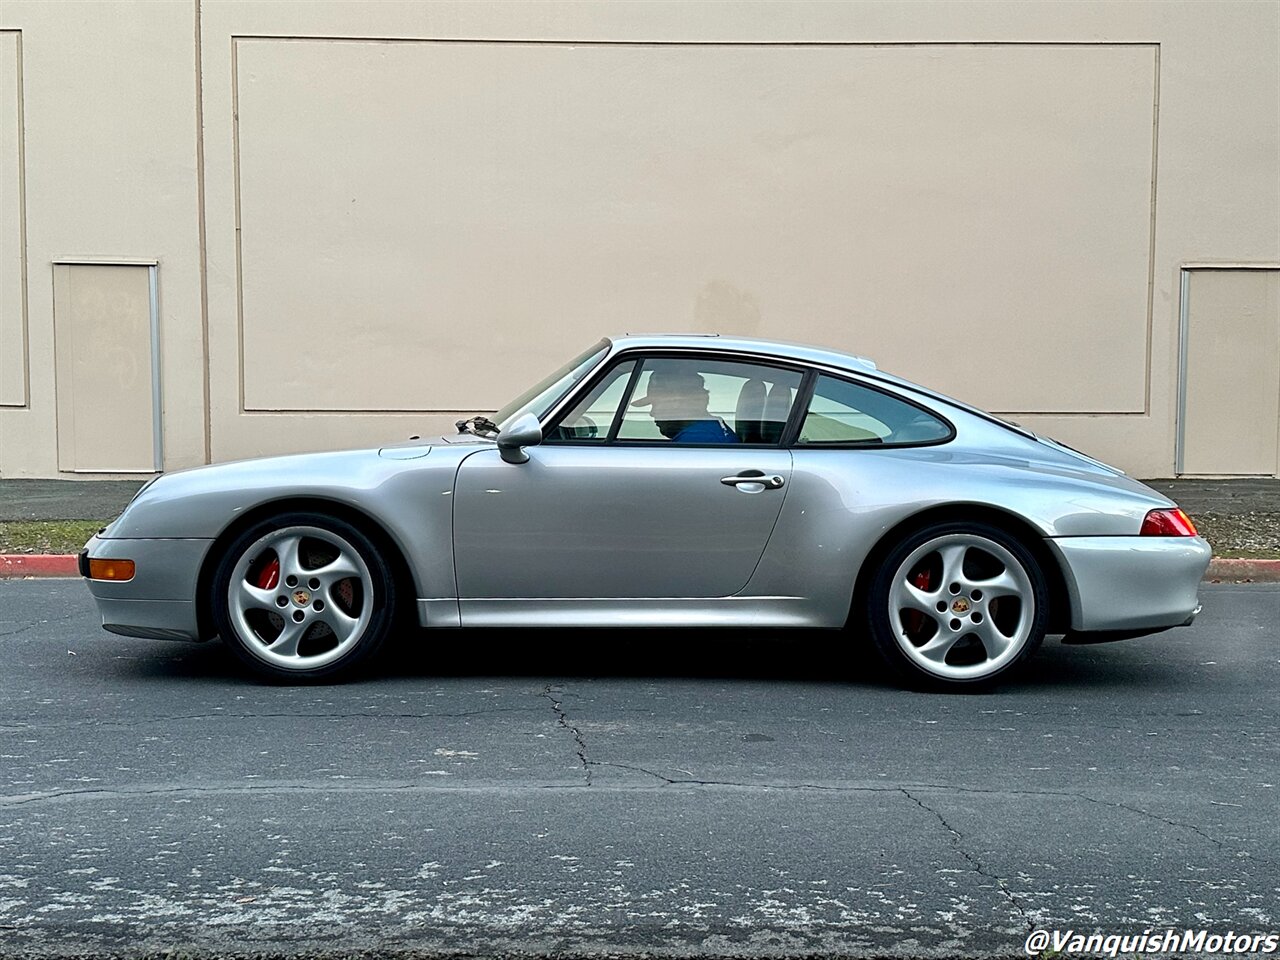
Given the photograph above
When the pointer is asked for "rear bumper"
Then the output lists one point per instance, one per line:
(159, 602)
(1139, 584)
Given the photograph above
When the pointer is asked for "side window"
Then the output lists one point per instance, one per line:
(709, 401)
(592, 417)
(848, 413)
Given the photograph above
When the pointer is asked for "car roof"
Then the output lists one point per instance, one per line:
(803, 353)
(769, 348)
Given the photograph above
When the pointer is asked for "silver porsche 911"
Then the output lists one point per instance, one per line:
(663, 481)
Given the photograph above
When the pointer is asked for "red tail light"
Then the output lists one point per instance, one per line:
(1167, 523)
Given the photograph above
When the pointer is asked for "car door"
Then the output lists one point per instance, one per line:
(609, 506)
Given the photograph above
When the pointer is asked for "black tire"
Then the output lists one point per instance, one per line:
(377, 591)
(889, 628)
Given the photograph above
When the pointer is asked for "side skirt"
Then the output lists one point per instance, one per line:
(656, 612)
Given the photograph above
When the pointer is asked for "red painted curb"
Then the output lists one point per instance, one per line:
(14, 565)
(1259, 571)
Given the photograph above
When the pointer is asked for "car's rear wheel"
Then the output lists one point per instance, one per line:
(303, 596)
(957, 605)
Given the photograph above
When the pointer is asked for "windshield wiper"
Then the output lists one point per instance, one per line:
(480, 425)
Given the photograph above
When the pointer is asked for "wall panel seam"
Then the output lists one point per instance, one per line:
(236, 38)
(235, 174)
(202, 236)
(570, 41)
(1151, 250)
(24, 324)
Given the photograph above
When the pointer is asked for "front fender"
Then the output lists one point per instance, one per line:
(410, 500)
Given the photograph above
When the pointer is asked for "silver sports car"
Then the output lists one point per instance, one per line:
(661, 481)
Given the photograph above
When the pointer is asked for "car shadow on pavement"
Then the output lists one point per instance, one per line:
(815, 657)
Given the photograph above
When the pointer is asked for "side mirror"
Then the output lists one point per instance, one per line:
(523, 431)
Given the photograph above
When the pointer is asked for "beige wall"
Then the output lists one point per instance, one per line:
(102, 318)
(13, 314)
(108, 172)
(1232, 331)
(404, 211)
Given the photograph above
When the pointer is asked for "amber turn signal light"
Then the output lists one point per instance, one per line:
(110, 569)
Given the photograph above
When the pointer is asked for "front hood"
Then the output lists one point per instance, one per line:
(199, 502)
(416, 447)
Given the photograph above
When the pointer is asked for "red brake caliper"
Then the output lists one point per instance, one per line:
(913, 620)
(269, 575)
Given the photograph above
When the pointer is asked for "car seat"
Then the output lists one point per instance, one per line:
(776, 408)
(748, 417)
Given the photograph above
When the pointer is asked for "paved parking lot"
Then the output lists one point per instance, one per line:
(626, 793)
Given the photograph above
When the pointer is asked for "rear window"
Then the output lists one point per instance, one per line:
(846, 413)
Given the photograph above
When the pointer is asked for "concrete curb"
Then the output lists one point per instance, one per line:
(1258, 571)
(17, 565)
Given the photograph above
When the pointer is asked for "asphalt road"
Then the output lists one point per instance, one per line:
(625, 793)
(64, 499)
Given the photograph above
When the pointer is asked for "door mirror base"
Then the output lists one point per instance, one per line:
(523, 431)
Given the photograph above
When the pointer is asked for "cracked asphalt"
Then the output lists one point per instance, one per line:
(629, 793)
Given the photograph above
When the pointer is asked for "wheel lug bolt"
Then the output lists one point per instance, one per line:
(976, 595)
(291, 580)
(977, 618)
(318, 605)
(955, 624)
(954, 588)
(298, 616)
(942, 606)
(282, 601)
(313, 583)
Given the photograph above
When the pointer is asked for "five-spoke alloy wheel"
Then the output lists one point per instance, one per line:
(958, 604)
(303, 596)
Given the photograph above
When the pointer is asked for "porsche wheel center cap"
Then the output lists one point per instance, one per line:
(960, 606)
(302, 597)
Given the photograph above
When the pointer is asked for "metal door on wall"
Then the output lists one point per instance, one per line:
(106, 341)
(1229, 384)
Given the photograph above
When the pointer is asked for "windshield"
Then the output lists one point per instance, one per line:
(546, 393)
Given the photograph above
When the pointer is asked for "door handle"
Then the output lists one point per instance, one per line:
(771, 483)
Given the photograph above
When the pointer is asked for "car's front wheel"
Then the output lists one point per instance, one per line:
(958, 605)
(303, 596)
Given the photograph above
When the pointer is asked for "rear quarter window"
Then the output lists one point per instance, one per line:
(844, 413)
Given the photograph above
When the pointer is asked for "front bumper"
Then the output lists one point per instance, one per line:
(160, 601)
(1132, 583)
